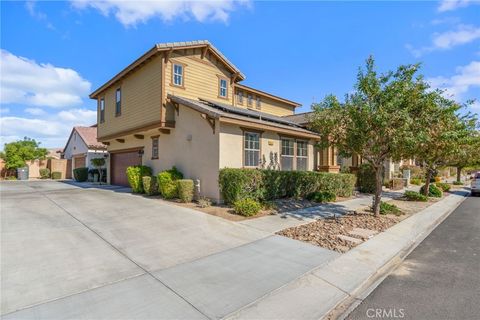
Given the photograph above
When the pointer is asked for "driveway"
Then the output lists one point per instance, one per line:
(73, 252)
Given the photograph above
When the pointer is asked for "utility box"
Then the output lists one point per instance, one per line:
(22, 173)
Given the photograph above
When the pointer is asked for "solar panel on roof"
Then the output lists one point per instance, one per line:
(249, 113)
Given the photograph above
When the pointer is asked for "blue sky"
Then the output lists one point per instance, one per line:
(55, 53)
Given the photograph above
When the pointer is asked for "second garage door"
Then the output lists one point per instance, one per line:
(119, 163)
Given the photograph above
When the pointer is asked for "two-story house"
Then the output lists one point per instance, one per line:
(182, 104)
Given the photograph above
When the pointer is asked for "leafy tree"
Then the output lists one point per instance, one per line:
(374, 121)
(442, 134)
(468, 154)
(16, 153)
(98, 163)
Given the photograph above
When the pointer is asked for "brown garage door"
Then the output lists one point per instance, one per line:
(119, 163)
(79, 162)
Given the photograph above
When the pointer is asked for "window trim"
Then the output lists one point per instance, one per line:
(295, 151)
(258, 103)
(220, 78)
(302, 157)
(157, 139)
(250, 100)
(118, 103)
(260, 133)
(101, 112)
(172, 78)
(240, 101)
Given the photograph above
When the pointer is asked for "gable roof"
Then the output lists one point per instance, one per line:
(301, 119)
(220, 110)
(170, 46)
(89, 137)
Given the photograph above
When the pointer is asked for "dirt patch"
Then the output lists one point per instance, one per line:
(325, 232)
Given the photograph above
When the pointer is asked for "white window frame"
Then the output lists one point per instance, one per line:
(249, 100)
(177, 75)
(301, 156)
(283, 155)
(248, 149)
(102, 110)
(222, 91)
(258, 102)
(118, 102)
(155, 147)
(240, 97)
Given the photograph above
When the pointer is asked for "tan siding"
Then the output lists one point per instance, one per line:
(267, 104)
(141, 99)
(200, 77)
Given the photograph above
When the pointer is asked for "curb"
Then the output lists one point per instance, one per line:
(344, 307)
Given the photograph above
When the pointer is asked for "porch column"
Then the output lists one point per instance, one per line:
(328, 160)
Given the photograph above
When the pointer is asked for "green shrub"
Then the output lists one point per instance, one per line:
(387, 208)
(135, 175)
(56, 175)
(185, 190)
(415, 196)
(433, 191)
(416, 181)
(44, 173)
(444, 186)
(80, 174)
(11, 178)
(247, 207)
(150, 185)
(261, 185)
(167, 183)
(457, 183)
(322, 196)
(366, 179)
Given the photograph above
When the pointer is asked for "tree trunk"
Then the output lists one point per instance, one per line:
(459, 174)
(377, 197)
(427, 182)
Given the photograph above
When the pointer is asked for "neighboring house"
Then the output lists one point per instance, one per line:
(182, 104)
(82, 146)
(54, 153)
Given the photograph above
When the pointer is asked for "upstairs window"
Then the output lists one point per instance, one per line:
(302, 155)
(222, 92)
(102, 110)
(118, 102)
(154, 147)
(178, 75)
(249, 100)
(258, 103)
(287, 154)
(240, 97)
(251, 149)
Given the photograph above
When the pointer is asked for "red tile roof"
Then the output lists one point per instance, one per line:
(89, 136)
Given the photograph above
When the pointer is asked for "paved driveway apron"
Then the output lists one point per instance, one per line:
(69, 252)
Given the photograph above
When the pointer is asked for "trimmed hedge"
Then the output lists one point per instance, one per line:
(135, 175)
(322, 196)
(44, 173)
(79, 174)
(167, 183)
(433, 191)
(185, 190)
(415, 196)
(56, 175)
(247, 207)
(366, 179)
(261, 185)
(150, 185)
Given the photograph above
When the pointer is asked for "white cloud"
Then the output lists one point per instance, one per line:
(463, 34)
(52, 130)
(466, 78)
(130, 13)
(450, 5)
(26, 82)
(35, 111)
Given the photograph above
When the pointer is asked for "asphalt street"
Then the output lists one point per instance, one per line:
(440, 279)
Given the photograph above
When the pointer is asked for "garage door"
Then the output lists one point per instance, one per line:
(79, 162)
(119, 163)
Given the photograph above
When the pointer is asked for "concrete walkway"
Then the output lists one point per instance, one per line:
(274, 223)
(345, 279)
(70, 252)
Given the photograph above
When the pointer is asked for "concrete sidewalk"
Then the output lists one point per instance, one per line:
(331, 288)
(275, 223)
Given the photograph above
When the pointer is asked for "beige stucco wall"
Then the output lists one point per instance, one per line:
(231, 146)
(196, 158)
